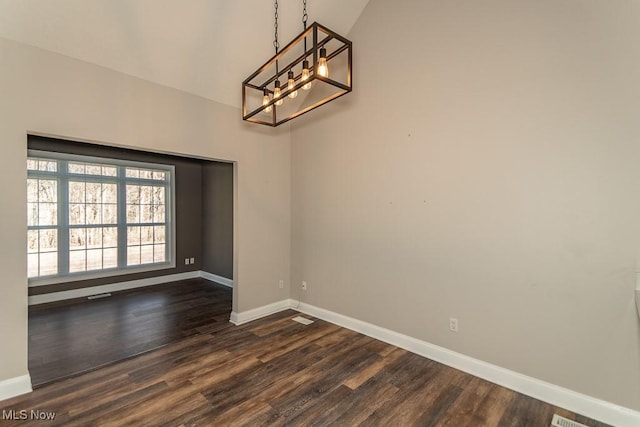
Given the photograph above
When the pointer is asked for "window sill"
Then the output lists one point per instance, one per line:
(45, 281)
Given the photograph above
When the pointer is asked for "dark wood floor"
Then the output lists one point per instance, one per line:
(275, 371)
(71, 338)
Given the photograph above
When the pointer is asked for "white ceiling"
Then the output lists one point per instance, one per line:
(205, 47)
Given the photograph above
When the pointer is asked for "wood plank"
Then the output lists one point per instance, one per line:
(369, 371)
(494, 404)
(277, 372)
(525, 411)
(66, 339)
(423, 399)
(464, 410)
(362, 402)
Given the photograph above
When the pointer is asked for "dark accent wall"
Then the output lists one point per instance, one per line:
(217, 219)
(188, 189)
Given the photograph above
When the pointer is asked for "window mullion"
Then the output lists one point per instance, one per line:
(168, 219)
(122, 217)
(63, 219)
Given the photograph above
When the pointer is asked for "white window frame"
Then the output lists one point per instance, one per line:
(122, 180)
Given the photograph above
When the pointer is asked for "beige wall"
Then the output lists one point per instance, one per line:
(49, 93)
(486, 168)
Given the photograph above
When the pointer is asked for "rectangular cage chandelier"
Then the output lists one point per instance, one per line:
(311, 77)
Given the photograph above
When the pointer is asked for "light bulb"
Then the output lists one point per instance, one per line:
(265, 101)
(305, 75)
(323, 67)
(277, 93)
(291, 84)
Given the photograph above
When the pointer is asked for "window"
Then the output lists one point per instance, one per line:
(92, 217)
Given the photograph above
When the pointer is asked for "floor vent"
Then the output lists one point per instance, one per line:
(99, 296)
(302, 320)
(559, 421)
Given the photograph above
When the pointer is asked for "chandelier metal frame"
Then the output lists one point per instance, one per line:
(258, 85)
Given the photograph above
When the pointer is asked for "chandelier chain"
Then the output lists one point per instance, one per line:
(276, 44)
(305, 17)
(304, 24)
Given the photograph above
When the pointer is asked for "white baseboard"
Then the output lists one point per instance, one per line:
(238, 318)
(15, 387)
(121, 286)
(215, 278)
(568, 399)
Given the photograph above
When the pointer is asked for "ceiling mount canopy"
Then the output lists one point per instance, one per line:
(311, 76)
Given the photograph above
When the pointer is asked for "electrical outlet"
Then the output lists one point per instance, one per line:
(453, 324)
(192, 260)
(304, 285)
(186, 261)
(281, 284)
